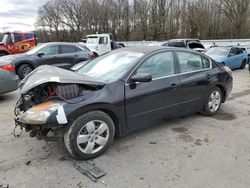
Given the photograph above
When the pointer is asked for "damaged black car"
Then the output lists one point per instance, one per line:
(119, 93)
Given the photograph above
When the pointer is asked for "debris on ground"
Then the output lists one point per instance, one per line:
(152, 142)
(4, 186)
(91, 171)
(27, 163)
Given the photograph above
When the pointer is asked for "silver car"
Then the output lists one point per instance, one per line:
(8, 79)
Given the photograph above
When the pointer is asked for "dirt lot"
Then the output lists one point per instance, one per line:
(194, 151)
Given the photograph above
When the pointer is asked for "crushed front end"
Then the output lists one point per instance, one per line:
(48, 96)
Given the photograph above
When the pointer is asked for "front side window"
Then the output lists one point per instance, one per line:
(192, 62)
(50, 50)
(159, 65)
(232, 52)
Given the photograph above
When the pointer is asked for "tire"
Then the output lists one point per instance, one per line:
(243, 64)
(82, 139)
(24, 70)
(213, 103)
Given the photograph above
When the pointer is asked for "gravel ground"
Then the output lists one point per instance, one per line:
(194, 151)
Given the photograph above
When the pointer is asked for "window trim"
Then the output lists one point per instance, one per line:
(176, 64)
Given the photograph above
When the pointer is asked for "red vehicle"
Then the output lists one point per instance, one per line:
(17, 42)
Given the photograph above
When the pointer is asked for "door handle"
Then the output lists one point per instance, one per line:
(173, 86)
(208, 76)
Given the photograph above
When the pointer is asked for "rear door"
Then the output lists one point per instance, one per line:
(68, 56)
(156, 99)
(196, 74)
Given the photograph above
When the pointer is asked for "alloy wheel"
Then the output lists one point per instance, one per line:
(214, 101)
(93, 136)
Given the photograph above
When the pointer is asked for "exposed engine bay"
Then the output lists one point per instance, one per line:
(41, 107)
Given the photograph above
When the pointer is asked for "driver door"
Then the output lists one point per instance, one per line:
(232, 58)
(156, 99)
(49, 57)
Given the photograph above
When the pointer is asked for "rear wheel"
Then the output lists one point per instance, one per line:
(89, 135)
(243, 64)
(24, 70)
(213, 103)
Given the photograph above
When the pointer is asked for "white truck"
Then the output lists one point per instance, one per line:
(101, 44)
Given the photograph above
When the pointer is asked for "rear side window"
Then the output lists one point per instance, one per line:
(17, 37)
(28, 35)
(192, 62)
(67, 49)
(158, 65)
(238, 51)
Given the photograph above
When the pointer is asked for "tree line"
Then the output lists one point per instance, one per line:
(71, 20)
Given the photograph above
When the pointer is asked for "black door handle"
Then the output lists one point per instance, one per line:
(208, 76)
(173, 86)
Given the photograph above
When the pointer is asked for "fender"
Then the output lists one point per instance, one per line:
(116, 113)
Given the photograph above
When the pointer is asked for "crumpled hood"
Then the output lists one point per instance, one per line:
(47, 73)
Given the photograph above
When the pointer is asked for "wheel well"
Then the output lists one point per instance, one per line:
(96, 54)
(17, 67)
(115, 120)
(110, 113)
(223, 92)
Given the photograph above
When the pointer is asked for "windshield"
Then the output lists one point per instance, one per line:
(110, 67)
(6, 38)
(92, 40)
(36, 49)
(217, 51)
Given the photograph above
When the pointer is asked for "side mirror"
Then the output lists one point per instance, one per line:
(40, 54)
(141, 77)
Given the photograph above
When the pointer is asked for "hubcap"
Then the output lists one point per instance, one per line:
(93, 136)
(214, 101)
(26, 71)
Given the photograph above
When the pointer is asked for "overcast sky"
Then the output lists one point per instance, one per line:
(19, 15)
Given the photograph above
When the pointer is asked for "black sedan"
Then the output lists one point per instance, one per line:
(60, 54)
(118, 93)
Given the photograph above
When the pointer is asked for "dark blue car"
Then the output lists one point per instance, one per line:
(232, 57)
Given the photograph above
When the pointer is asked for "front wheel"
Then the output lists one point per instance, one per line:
(213, 103)
(89, 135)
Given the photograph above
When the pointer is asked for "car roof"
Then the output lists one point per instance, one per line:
(149, 49)
(61, 43)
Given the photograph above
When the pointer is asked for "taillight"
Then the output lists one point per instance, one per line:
(91, 55)
(228, 70)
(10, 68)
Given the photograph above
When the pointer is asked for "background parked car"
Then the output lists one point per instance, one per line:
(63, 55)
(193, 44)
(8, 78)
(17, 42)
(232, 57)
